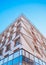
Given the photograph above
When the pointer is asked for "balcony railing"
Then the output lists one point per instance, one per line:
(13, 58)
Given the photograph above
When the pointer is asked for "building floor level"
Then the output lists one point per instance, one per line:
(21, 57)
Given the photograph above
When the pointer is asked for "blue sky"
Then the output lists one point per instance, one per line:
(34, 10)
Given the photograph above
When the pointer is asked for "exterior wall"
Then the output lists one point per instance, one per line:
(32, 38)
(9, 37)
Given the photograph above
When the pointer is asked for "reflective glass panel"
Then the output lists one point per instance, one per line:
(36, 60)
(10, 63)
(44, 63)
(10, 57)
(40, 62)
(1, 62)
(16, 54)
(5, 60)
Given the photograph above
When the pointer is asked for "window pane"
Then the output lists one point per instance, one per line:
(21, 52)
(27, 54)
(11, 57)
(6, 59)
(16, 60)
(1, 62)
(37, 64)
(36, 60)
(20, 63)
(43, 63)
(31, 57)
(40, 62)
(16, 54)
(10, 63)
(5, 63)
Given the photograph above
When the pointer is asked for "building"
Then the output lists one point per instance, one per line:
(22, 44)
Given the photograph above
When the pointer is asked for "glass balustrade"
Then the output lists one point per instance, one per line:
(21, 57)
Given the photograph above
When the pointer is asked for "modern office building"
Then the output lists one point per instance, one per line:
(22, 44)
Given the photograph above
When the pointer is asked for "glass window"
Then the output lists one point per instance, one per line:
(17, 41)
(36, 60)
(16, 54)
(21, 52)
(27, 54)
(37, 63)
(5, 63)
(8, 47)
(44, 63)
(16, 60)
(10, 57)
(5, 60)
(40, 62)
(20, 63)
(31, 57)
(10, 63)
(1, 62)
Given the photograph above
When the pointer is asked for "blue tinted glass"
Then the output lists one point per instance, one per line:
(10, 63)
(44, 63)
(1, 62)
(21, 52)
(17, 43)
(20, 64)
(5, 63)
(17, 60)
(21, 59)
(6, 60)
(37, 64)
(36, 60)
(16, 54)
(10, 57)
(40, 62)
